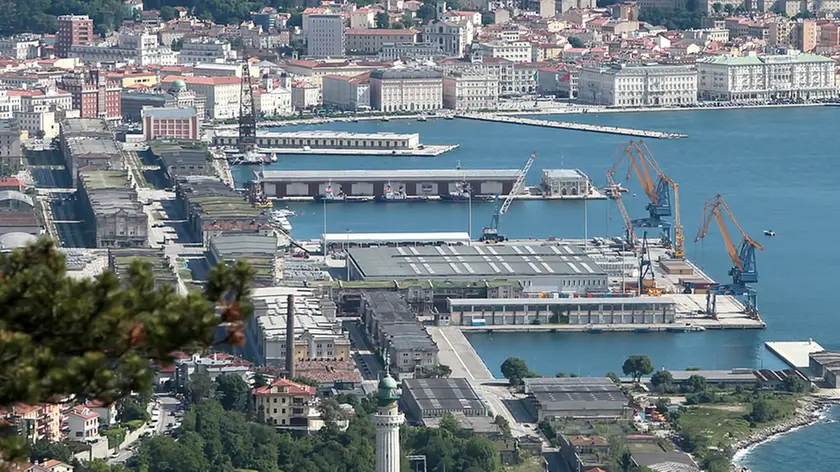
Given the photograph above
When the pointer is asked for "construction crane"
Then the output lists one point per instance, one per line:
(630, 232)
(744, 270)
(247, 114)
(658, 191)
(490, 234)
(647, 280)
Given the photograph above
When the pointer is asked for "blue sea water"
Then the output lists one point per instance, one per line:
(777, 168)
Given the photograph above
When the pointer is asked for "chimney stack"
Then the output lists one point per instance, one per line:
(290, 336)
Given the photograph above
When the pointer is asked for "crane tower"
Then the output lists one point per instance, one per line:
(247, 117)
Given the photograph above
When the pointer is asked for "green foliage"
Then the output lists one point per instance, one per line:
(487, 18)
(764, 409)
(260, 380)
(382, 20)
(662, 378)
(795, 384)
(133, 425)
(503, 424)
(43, 450)
(547, 429)
(39, 16)
(132, 409)
(168, 13)
(673, 19)
(438, 371)
(200, 387)
(695, 384)
(575, 42)
(115, 436)
(233, 393)
(636, 366)
(515, 369)
(452, 448)
(613, 377)
(99, 338)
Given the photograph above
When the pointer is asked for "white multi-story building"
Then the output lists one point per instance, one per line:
(463, 92)
(21, 47)
(406, 90)
(10, 102)
(517, 51)
(141, 49)
(198, 51)
(794, 75)
(305, 95)
(275, 101)
(625, 85)
(38, 121)
(347, 93)
(83, 424)
(325, 36)
(371, 41)
(222, 94)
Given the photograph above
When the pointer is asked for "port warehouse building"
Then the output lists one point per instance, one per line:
(324, 139)
(574, 311)
(574, 397)
(414, 182)
(561, 266)
(349, 240)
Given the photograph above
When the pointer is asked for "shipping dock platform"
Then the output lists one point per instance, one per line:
(639, 133)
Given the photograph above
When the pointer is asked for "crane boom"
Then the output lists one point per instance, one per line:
(628, 223)
(743, 256)
(517, 185)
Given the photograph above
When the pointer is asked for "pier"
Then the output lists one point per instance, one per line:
(794, 353)
(427, 150)
(640, 133)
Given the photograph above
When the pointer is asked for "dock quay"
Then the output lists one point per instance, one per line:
(794, 353)
(640, 133)
(335, 142)
(429, 150)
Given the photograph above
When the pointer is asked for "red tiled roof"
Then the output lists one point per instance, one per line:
(303, 63)
(84, 412)
(200, 80)
(294, 387)
(52, 463)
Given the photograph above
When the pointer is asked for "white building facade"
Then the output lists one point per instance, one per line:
(406, 90)
(222, 94)
(274, 102)
(622, 85)
(205, 51)
(788, 76)
(347, 93)
(464, 92)
(516, 51)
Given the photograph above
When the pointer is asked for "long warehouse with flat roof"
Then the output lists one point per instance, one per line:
(414, 182)
(563, 266)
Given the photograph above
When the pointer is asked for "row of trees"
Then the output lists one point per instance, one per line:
(213, 438)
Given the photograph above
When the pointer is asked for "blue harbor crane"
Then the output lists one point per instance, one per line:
(744, 270)
(490, 234)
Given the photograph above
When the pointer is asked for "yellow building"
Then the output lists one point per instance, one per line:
(133, 79)
(287, 405)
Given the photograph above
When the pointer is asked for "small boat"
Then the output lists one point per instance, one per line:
(355, 120)
(769, 232)
(385, 118)
(421, 118)
(461, 194)
(329, 196)
(448, 117)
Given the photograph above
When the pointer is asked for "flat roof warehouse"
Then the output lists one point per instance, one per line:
(472, 262)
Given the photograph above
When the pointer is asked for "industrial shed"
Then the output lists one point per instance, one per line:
(574, 397)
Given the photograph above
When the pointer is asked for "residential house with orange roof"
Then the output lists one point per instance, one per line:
(285, 404)
(83, 424)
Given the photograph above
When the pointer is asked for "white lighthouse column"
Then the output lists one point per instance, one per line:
(388, 421)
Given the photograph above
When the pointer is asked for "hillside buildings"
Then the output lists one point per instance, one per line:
(72, 30)
(94, 95)
(464, 92)
(406, 90)
(325, 35)
(222, 94)
(347, 93)
(110, 206)
(170, 123)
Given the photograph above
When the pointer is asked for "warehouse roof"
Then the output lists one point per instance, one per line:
(423, 175)
(384, 238)
(452, 394)
(563, 173)
(575, 393)
(85, 126)
(505, 261)
(15, 195)
(562, 301)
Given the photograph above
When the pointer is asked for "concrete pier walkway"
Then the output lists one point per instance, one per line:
(794, 353)
(640, 133)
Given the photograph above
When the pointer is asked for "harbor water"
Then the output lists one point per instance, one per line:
(775, 167)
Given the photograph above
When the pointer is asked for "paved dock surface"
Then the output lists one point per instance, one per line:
(572, 126)
(794, 353)
(459, 355)
(428, 150)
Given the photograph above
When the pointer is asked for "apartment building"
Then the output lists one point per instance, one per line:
(204, 50)
(463, 92)
(371, 41)
(83, 424)
(170, 123)
(624, 85)
(451, 39)
(94, 95)
(275, 101)
(347, 93)
(794, 75)
(285, 404)
(139, 48)
(36, 422)
(325, 36)
(516, 51)
(21, 47)
(222, 94)
(406, 90)
(72, 30)
(38, 121)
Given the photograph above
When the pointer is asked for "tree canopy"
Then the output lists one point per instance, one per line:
(100, 338)
(637, 365)
(233, 393)
(515, 369)
(662, 378)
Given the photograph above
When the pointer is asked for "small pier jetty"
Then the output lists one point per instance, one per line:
(641, 133)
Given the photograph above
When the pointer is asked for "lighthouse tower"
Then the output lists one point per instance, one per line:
(388, 420)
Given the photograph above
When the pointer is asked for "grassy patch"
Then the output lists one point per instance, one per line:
(531, 464)
(719, 426)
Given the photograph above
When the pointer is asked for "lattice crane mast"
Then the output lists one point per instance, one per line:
(491, 233)
(630, 232)
(658, 191)
(744, 269)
